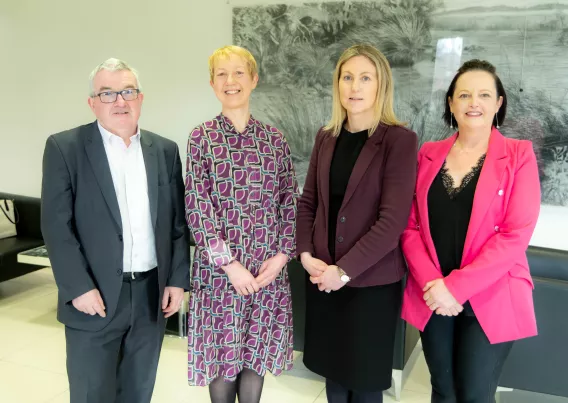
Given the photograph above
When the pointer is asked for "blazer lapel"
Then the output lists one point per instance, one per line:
(97, 157)
(151, 164)
(326, 153)
(370, 149)
(488, 184)
(429, 167)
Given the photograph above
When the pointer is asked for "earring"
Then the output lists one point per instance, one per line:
(497, 121)
(451, 120)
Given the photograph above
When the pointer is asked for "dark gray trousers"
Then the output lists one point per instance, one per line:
(118, 364)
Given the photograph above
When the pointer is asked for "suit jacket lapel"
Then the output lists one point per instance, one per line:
(370, 149)
(151, 164)
(97, 157)
(326, 153)
(496, 161)
(429, 167)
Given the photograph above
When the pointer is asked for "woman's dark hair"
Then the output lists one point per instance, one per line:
(477, 65)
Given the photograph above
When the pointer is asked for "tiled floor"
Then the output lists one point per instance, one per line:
(32, 357)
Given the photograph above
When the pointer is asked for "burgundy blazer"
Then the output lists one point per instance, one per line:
(374, 211)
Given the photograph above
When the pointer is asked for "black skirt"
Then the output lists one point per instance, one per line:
(350, 334)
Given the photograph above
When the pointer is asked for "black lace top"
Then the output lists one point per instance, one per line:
(449, 211)
(449, 181)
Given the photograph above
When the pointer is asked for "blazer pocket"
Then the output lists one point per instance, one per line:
(519, 272)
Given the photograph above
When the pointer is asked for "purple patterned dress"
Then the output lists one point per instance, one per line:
(240, 197)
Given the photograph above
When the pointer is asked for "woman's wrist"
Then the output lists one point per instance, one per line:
(229, 265)
(305, 255)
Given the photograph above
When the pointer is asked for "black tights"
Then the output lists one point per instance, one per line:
(338, 394)
(248, 386)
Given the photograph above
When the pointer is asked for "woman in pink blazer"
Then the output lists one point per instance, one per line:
(476, 205)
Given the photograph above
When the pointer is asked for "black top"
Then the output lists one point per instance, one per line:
(347, 150)
(449, 211)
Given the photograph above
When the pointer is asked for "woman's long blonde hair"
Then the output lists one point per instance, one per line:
(384, 104)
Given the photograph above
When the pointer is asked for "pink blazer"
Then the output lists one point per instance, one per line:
(494, 273)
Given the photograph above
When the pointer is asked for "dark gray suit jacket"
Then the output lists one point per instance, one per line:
(81, 223)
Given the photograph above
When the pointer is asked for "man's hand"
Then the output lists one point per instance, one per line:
(270, 269)
(90, 303)
(172, 300)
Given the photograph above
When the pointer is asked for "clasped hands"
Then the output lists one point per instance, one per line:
(326, 277)
(440, 299)
(245, 283)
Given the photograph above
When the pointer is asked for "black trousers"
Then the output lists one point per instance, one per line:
(338, 394)
(464, 366)
(118, 364)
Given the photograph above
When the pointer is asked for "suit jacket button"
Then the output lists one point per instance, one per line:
(339, 239)
(500, 192)
(119, 272)
(496, 228)
(120, 238)
(342, 219)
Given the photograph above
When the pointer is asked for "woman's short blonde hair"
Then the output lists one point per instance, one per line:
(225, 53)
(384, 104)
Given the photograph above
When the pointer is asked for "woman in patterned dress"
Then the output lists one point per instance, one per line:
(240, 196)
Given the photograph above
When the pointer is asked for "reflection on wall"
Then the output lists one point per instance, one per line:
(425, 41)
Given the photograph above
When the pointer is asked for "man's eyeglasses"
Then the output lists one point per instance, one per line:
(108, 97)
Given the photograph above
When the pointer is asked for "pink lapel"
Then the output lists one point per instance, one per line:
(430, 165)
(487, 188)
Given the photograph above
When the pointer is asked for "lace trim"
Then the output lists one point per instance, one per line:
(449, 181)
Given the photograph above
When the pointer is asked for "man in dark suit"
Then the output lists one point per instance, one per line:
(113, 223)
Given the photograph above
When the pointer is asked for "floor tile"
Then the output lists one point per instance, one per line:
(45, 353)
(408, 396)
(171, 381)
(288, 388)
(419, 379)
(62, 398)
(22, 384)
(22, 288)
(32, 308)
(17, 335)
(27, 320)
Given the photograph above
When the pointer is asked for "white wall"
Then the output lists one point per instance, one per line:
(49, 47)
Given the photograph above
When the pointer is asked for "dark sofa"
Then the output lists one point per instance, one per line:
(29, 237)
(540, 364)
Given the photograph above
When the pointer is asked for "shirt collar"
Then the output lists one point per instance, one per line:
(108, 136)
(229, 127)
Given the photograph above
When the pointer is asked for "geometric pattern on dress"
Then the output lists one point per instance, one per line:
(240, 196)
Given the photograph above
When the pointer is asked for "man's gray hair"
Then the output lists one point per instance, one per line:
(112, 64)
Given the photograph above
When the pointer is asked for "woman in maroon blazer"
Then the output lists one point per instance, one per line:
(355, 205)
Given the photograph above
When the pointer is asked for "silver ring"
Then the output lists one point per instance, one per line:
(328, 291)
